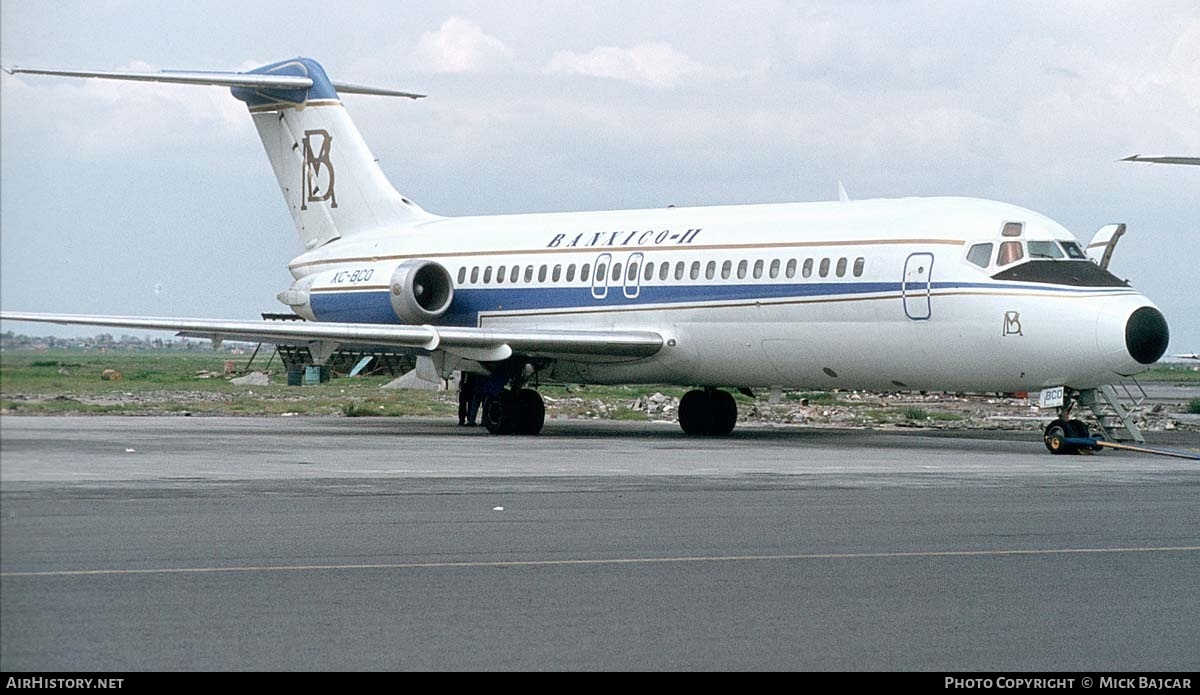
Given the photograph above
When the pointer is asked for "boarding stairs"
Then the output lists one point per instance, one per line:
(1117, 407)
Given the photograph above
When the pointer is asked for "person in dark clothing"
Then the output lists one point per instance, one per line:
(470, 396)
(466, 396)
(477, 394)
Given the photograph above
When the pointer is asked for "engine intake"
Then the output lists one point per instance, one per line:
(421, 291)
(1147, 335)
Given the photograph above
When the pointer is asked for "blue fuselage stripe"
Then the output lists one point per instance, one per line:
(375, 306)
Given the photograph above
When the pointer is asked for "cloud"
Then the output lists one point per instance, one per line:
(1180, 71)
(648, 64)
(458, 46)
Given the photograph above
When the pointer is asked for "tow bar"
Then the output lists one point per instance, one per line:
(1098, 443)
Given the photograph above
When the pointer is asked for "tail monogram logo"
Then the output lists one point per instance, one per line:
(318, 169)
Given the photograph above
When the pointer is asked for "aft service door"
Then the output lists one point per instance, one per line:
(918, 273)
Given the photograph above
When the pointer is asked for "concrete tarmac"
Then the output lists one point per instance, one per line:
(367, 544)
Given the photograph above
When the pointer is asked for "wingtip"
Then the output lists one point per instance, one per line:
(1130, 158)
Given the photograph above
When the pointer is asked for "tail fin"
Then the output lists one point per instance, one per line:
(332, 183)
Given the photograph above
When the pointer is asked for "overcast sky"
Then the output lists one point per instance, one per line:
(155, 199)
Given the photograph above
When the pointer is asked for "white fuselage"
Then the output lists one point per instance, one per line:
(914, 293)
(872, 294)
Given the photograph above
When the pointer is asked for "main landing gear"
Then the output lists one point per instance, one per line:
(514, 412)
(707, 412)
(509, 407)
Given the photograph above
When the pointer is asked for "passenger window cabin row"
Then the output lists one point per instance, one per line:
(680, 270)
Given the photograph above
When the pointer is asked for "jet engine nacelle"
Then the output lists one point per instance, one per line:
(420, 291)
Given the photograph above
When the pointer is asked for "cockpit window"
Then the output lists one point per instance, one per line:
(1073, 250)
(980, 255)
(1010, 252)
(1044, 249)
(1012, 229)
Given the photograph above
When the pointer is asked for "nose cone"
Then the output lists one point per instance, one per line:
(1131, 334)
(1146, 335)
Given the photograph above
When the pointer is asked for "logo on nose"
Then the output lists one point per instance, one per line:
(1012, 323)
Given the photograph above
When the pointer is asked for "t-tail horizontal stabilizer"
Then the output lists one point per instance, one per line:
(331, 181)
(216, 79)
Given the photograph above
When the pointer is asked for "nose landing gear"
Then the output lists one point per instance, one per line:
(1060, 430)
(1060, 435)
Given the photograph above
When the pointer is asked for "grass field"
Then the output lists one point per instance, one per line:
(1177, 373)
(165, 383)
(176, 383)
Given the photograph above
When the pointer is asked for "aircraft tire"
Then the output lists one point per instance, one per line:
(707, 413)
(530, 415)
(724, 417)
(695, 413)
(1054, 437)
(498, 412)
(1077, 428)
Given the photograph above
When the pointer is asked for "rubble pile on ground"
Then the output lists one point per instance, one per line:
(867, 409)
(858, 409)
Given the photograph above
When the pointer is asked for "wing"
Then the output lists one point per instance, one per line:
(480, 344)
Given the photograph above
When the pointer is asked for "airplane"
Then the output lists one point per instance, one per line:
(933, 294)
(1163, 160)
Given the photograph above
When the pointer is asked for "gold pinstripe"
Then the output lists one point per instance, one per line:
(631, 249)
